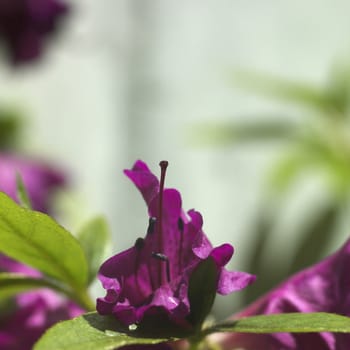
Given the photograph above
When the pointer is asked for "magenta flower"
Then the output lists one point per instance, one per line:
(151, 279)
(30, 313)
(9, 265)
(40, 179)
(35, 312)
(24, 25)
(323, 287)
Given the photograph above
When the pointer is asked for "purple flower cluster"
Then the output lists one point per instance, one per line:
(24, 25)
(39, 179)
(32, 312)
(152, 277)
(323, 287)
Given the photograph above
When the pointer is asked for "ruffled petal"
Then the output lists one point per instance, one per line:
(144, 180)
(222, 254)
(231, 281)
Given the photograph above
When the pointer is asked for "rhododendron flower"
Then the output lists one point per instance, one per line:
(24, 25)
(35, 312)
(29, 314)
(152, 277)
(323, 287)
(39, 179)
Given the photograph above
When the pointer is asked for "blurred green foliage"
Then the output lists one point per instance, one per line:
(316, 146)
(10, 123)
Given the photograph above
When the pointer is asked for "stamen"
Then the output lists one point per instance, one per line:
(159, 256)
(163, 257)
(150, 230)
(151, 223)
(140, 242)
(180, 225)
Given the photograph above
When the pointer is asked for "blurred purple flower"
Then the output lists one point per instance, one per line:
(9, 265)
(323, 287)
(152, 277)
(35, 312)
(39, 179)
(24, 25)
(32, 312)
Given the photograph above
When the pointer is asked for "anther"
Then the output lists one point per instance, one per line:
(160, 256)
(151, 223)
(163, 257)
(140, 242)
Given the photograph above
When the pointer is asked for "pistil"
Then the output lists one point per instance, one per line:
(163, 166)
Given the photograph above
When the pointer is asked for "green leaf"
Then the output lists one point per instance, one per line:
(22, 193)
(13, 283)
(10, 124)
(338, 88)
(288, 169)
(321, 230)
(94, 239)
(90, 332)
(202, 291)
(288, 322)
(7, 307)
(258, 263)
(300, 93)
(37, 240)
(225, 133)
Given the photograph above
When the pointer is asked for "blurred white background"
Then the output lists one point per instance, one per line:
(129, 79)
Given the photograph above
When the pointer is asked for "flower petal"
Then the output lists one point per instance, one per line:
(231, 281)
(324, 287)
(222, 254)
(144, 180)
(24, 25)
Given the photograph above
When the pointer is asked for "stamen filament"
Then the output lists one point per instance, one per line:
(163, 257)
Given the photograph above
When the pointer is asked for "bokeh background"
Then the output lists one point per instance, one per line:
(224, 90)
